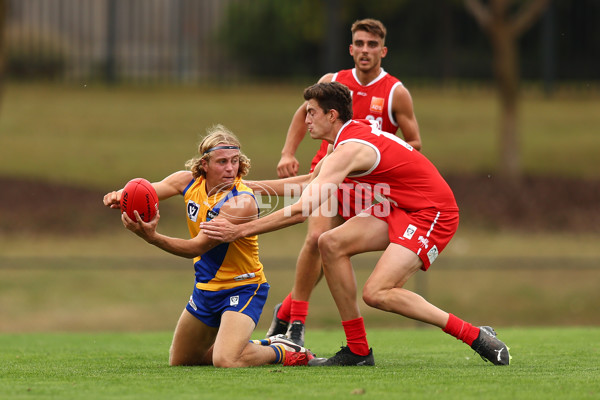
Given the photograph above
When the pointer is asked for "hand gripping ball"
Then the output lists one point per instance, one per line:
(139, 195)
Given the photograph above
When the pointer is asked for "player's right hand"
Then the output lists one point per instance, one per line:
(113, 199)
(145, 230)
(288, 166)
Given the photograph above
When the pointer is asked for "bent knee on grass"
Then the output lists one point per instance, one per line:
(247, 358)
(225, 362)
(184, 361)
(186, 356)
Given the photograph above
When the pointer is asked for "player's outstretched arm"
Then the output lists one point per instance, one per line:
(334, 168)
(292, 186)
(170, 186)
(173, 184)
(237, 210)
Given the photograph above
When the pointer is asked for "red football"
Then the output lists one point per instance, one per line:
(139, 195)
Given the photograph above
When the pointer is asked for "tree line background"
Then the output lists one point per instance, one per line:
(229, 42)
(233, 41)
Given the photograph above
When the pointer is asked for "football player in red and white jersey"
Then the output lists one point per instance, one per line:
(412, 225)
(376, 95)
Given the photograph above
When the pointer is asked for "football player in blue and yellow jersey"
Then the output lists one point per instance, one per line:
(230, 287)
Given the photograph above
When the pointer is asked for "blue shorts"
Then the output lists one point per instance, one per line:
(208, 306)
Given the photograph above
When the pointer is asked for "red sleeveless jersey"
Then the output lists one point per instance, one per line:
(401, 174)
(372, 101)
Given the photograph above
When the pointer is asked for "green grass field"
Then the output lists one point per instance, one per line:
(410, 364)
(147, 293)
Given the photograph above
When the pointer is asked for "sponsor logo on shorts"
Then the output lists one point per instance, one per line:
(192, 304)
(410, 231)
(432, 254)
(234, 301)
(192, 210)
(423, 242)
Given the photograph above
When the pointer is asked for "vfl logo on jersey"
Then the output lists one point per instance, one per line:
(192, 210)
(432, 254)
(234, 301)
(410, 231)
(210, 214)
(376, 105)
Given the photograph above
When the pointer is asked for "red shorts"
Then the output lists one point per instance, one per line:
(425, 232)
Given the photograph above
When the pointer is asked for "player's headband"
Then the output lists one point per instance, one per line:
(220, 148)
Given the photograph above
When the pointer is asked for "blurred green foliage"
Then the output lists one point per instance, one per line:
(428, 40)
(272, 38)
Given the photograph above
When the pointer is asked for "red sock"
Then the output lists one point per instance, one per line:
(286, 308)
(299, 311)
(356, 336)
(461, 330)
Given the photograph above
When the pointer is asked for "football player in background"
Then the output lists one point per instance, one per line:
(376, 95)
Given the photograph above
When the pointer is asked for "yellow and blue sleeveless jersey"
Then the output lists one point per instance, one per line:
(227, 265)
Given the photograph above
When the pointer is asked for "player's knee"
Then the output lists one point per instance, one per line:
(379, 297)
(328, 245)
(221, 361)
(174, 360)
(372, 297)
(312, 238)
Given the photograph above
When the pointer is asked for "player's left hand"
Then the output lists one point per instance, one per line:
(145, 230)
(220, 229)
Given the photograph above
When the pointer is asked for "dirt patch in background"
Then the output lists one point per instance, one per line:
(28, 206)
(538, 204)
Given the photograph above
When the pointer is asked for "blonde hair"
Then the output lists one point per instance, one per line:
(216, 135)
